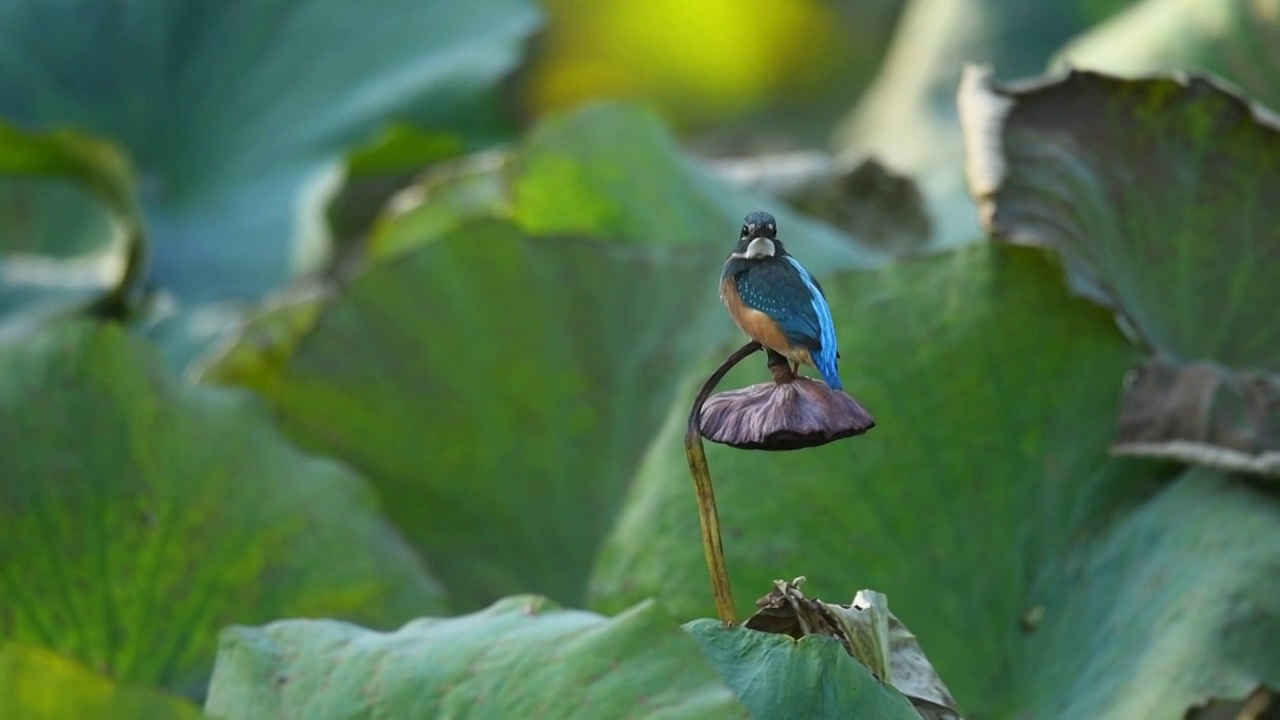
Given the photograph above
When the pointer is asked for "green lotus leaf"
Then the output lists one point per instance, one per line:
(497, 388)
(448, 195)
(813, 677)
(140, 515)
(36, 684)
(523, 657)
(1171, 606)
(526, 657)
(237, 115)
(993, 392)
(868, 632)
(612, 171)
(558, 357)
(1159, 193)
(615, 171)
(95, 165)
(190, 335)
(49, 215)
(262, 347)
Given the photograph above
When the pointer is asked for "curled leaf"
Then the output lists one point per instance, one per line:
(1160, 194)
(869, 632)
(865, 622)
(914, 675)
(54, 270)
(244, 212)
(1204, 414)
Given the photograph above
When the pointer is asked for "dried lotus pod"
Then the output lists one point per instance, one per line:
(789, 413)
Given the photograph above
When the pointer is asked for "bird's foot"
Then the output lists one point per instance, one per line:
(782, 370)
(782, 373)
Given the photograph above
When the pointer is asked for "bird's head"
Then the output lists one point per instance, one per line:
(759, 238)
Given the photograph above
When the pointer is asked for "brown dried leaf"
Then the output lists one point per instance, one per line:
(915, 677)
(1203, 414)
(1261, 704)
(786, 611)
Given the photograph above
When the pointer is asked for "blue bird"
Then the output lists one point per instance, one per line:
(777, 302)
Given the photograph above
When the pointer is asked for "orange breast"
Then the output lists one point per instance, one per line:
(757, 325)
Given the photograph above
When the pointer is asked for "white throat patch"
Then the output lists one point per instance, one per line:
(761, 247)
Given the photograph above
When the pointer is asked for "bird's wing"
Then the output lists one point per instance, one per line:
(822, 294)
(776, 290)
(827, 325)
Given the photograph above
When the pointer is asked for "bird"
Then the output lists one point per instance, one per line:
(777, 302)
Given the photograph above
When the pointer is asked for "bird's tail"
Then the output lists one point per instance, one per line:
(830, 375)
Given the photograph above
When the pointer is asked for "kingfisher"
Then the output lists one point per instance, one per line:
(777, 302)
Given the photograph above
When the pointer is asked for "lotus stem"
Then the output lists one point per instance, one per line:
(705, 493)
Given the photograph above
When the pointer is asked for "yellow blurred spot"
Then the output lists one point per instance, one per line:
(41, 684)
(698, 61)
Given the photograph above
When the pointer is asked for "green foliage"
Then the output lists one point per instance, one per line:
(236, 113)
(556, 355)
(53, 217)
(140, 514)
(1191, 264)
(1233, 40)
(1175, 603)
(492, 379)
(256, 356)
(96, 165)
(36, 684)
(616, 172)
(522, 657)
(62, 195)
(528, 372)
(813, 677)
(980, 471)
(907, 119)
(553, 663)
(610, 171)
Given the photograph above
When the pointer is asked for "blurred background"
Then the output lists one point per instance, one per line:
(311, 309)
(851, 102)
(741, 77)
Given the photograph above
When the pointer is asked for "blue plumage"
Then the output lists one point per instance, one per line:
(777, 302)
(825, 356)
(785, 291)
